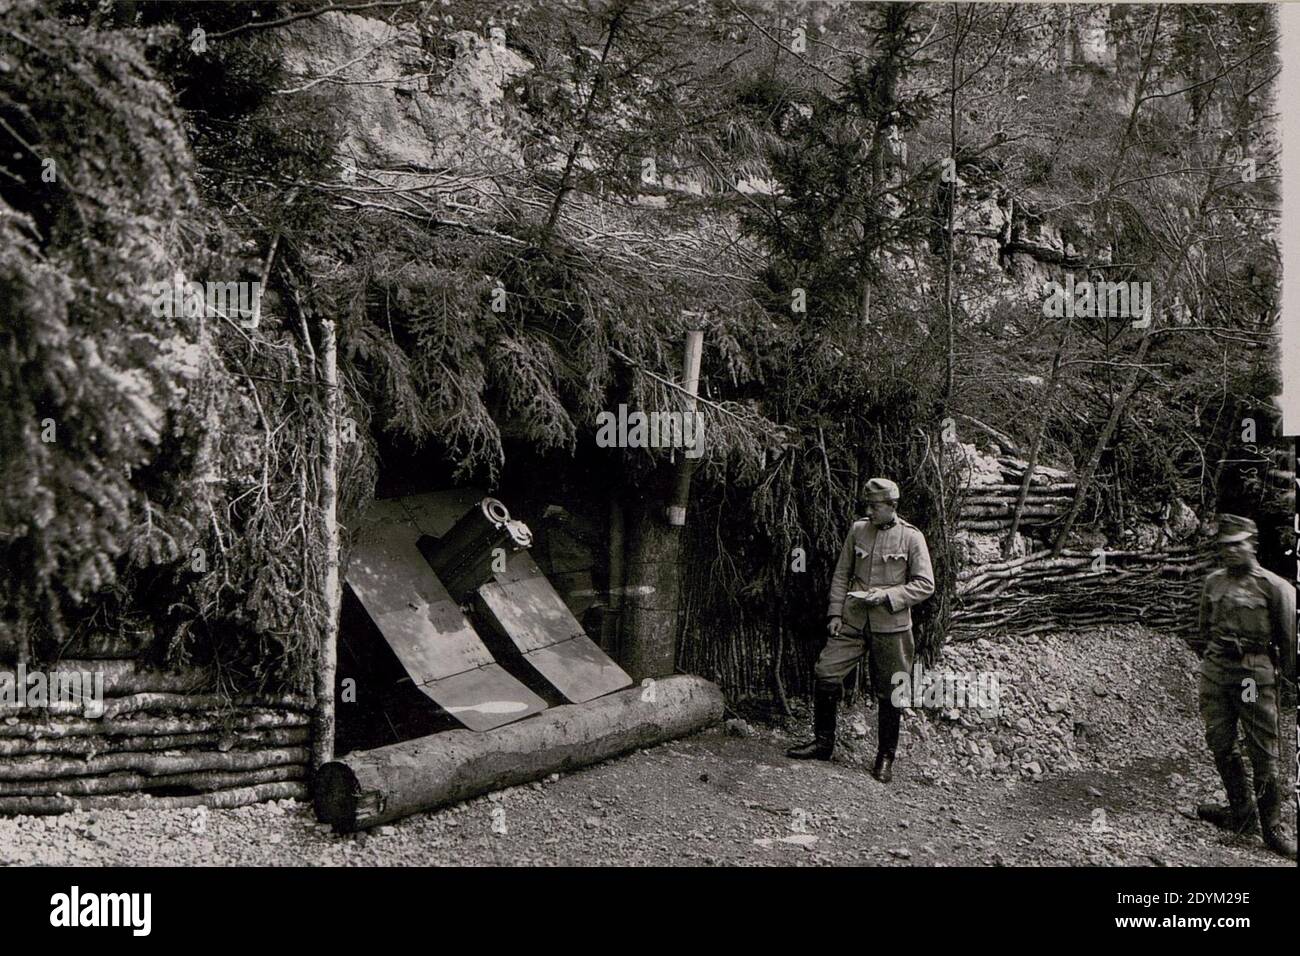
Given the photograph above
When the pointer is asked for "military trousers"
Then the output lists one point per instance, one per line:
(1231, 697)
(889, 654)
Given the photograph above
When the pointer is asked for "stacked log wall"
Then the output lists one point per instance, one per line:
(161, 740)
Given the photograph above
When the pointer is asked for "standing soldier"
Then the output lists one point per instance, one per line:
(886, 560)
(1247, 629)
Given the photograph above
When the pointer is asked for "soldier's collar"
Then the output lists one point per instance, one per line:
(1254, 569)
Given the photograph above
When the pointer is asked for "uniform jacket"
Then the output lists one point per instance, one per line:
(1241, 616)
(894, 558)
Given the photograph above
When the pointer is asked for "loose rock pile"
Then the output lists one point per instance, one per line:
(1097, 699)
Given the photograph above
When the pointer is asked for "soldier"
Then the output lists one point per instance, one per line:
(887, 560)
(1247, 631)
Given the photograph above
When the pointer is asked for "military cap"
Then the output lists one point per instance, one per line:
(1234, 528)
(881, 489)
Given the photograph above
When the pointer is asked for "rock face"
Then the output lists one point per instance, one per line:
(982, 469)
(1183, 522)
(413, 110)
(976, 548)
(402, 107)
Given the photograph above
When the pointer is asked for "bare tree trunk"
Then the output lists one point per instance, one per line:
(648, 647)
(566, 178)
(1023, 495)
(1117, 409)
(778, 652)
(653, 568)
(648, 640)
(1085, 477)
(323, 738)
(949, 318)
(610, 623)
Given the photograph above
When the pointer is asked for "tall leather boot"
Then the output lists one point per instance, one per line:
(826, 701)
(890, 724)
(1239, 815)
(1269, 797)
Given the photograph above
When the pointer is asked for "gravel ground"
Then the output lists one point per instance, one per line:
(1119, 790)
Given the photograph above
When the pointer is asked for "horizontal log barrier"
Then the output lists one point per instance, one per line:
(199, 722)
(156, 703)
(51, 767)
(1029, 521)
(370, 787)
(130, 782)
(1008, 501)
(124, 677)
(984, 512)
(1064, 488)
(163, 703)
(215, 800)
(100, 744)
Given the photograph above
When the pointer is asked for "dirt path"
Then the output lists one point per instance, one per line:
(713, 799)
(1120, 772)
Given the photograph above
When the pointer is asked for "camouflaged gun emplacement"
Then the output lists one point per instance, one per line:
(449, 587)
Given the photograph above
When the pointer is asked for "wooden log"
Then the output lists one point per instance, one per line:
(155, 703)
(216, 800)
(99, 744)
(1008, 502)
(327, 659)
(1064, 488)
(680, 495)
(967, 518)
(49, 767)
(979, 512)
(182, 702)
(979, 577)
(1003, 524)
(1172, 549)
(191, 723)
(366, 788)
(971, 571)
(124, 677)
(138, 782)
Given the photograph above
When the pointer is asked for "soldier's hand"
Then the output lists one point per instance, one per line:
(833, 627)
(875, 596)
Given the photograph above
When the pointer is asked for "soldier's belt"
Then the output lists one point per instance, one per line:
(1238, 649)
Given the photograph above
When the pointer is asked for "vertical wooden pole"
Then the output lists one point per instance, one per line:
(653, 565)
(323, 736)
(676, 511)
(611, 625)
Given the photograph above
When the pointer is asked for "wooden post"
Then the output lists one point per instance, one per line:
(611, 624)
(676, 511)
(323, 736)
(653, 565)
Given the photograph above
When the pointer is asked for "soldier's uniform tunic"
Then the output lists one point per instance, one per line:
(1241, 616)
(895, 559)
